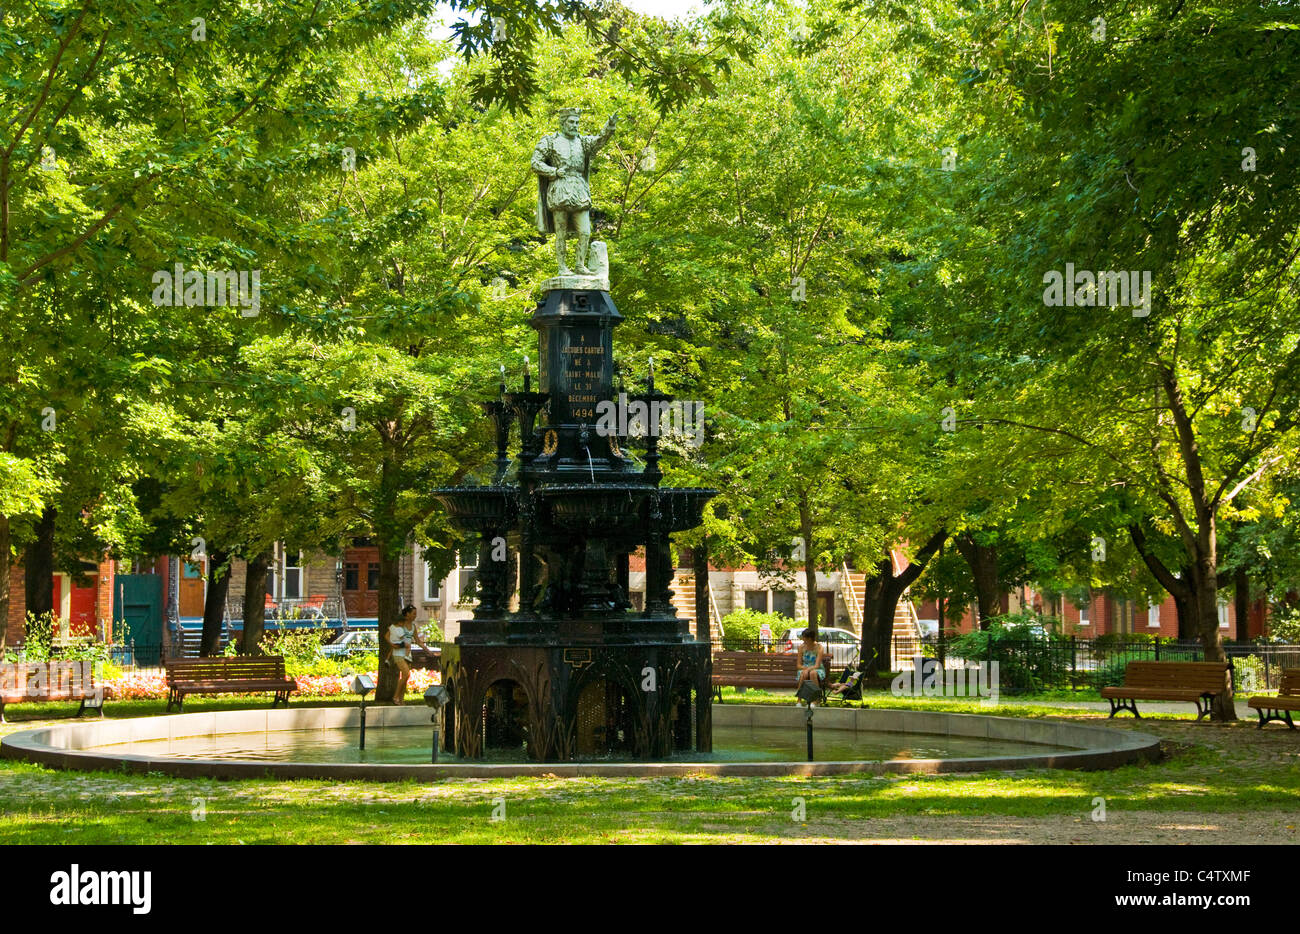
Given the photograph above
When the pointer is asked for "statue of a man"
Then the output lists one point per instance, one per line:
(562, 162)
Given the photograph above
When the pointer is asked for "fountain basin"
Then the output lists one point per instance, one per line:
(479, 508)
(582, 507)
(683, 507)
(141, 744)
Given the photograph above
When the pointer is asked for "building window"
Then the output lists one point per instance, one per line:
(1223, 614)
(351, 576)
(756, 600)
(783, 603)
(1153, 615)
(372, 576)
(293, 575)
(432, 584)
(1083, 616)
(467, 572)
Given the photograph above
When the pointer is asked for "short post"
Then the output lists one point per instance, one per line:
(436, 697)
(363, 685)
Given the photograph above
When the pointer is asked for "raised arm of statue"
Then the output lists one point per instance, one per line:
(601, 138)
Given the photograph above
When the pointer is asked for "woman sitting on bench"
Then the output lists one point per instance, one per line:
(812, 664)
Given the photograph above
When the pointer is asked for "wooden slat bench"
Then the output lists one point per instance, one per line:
(47, 681)
(1198, 682)
(235, 674)
(1279, 707)
(756, 670)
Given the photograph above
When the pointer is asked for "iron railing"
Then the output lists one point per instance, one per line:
(1027, 665)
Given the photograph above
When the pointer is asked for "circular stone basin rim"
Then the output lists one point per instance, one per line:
(79, 745)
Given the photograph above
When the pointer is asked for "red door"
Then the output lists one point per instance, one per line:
(81, 607)
(82, 614)
(361, 581)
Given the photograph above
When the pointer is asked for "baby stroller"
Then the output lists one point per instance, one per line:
(849, 686)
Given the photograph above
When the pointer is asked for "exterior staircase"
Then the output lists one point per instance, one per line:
(907, 631)
(683, 590)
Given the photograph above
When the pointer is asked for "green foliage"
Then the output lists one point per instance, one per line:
(300, 646)
(740, 629)
(430, 632)
(1029, 657)
(1284, 623)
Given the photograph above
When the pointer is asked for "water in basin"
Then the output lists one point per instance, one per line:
(409, 745)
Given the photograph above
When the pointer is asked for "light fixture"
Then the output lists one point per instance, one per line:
(436, 696)
(363, 685)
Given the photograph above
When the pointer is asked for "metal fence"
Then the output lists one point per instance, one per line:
(1028, 665)
(1038, 664)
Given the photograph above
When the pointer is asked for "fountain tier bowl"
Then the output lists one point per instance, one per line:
(479, 508)
(583, 507)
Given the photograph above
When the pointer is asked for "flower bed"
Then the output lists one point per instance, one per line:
(153, 685)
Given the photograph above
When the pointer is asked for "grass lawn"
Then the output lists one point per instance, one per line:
(1218, 783)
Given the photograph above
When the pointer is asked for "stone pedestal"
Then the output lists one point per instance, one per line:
(598, 281)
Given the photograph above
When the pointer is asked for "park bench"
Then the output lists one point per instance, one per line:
(1198, 682)
(235, 674)
(1279, 707)
(756, 670)
(47, 681)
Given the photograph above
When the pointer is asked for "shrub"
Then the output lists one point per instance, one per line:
(299, 646)
(1110, 673)
(1248, 674)
(1030, 657)
(740, 629)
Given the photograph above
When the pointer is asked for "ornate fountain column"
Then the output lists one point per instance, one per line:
(573, 656)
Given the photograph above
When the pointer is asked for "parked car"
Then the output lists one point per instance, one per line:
(357, 642)
(840, 644)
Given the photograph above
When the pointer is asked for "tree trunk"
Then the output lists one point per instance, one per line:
(877, 632)
(38, 567)
(6, 560)
(809, 565)
(880, 601)
(1200, 539)
(1196, 595)
(254, 604)
(390, 609)
(1241, 601)
(214, 603)
(983, 561)
(700, 560)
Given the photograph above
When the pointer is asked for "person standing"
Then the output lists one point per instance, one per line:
(400, 636)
